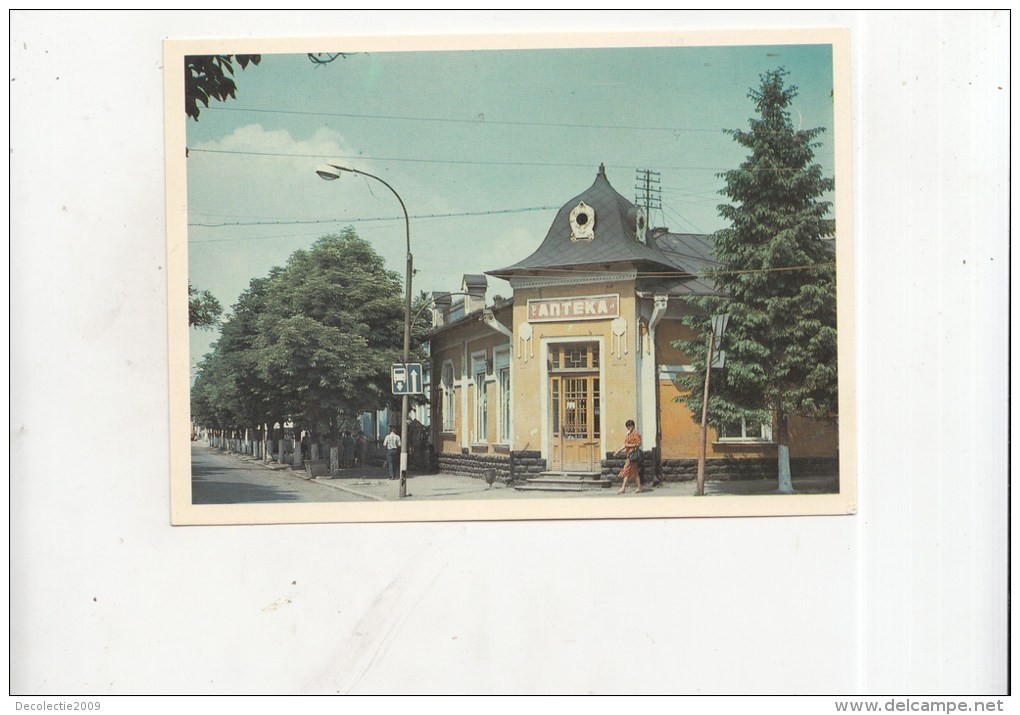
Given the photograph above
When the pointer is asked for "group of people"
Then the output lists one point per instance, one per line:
(353, 454)
(352, 449)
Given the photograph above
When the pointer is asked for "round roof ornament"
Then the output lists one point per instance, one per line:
(582, 223)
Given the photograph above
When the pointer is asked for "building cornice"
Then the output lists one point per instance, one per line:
(570, 278)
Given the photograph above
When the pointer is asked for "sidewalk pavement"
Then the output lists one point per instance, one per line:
(372, 483)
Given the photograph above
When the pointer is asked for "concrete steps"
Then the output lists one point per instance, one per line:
(564, 482)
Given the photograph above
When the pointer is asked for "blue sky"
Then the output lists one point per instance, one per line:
(482, 146)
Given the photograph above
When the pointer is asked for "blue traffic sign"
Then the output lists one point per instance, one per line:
(407, 379)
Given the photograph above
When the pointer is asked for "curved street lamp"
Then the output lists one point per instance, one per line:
(332, 176)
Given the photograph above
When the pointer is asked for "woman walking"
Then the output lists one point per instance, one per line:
(632, 446)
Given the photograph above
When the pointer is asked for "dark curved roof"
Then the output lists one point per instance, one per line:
(693, 252)
(614, 241)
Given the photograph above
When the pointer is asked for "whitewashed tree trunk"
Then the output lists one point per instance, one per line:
(334, 461)
(785, 478)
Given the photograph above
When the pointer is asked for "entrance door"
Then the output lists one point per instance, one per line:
(575, 407)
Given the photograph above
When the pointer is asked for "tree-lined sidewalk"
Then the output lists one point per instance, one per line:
(310, 345)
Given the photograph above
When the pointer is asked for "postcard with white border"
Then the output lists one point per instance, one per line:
(510, 277)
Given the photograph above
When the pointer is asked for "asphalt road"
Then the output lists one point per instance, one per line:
(223, 479)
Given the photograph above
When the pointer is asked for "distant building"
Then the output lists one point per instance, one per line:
(544, 381)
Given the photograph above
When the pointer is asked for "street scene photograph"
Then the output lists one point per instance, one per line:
(599, 277)
(478, 353)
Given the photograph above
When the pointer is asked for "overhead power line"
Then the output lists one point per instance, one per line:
(711, 273)
(297, 222)
(690, 256)
(458, 161)
(482, 121)
(476, 122)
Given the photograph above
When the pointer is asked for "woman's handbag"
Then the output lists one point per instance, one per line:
(634, 455)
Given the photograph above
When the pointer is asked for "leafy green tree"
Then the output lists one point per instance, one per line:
(203, 309)
(231, 390)
(252, 397)
(211, 77)
(776, 279)
(331, 328)
(312, 342)
(208, 404)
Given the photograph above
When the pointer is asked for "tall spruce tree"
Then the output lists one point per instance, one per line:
(776, 279)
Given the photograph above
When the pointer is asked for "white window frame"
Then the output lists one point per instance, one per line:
(504, 421)
(765, 433)
(479, 367)
(449, 397)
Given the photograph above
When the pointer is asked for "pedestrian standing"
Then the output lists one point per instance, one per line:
(631, 462)
(359, 449)
(348, 446)
(392, 445)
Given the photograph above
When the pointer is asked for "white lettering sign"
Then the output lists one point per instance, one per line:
(590, 307)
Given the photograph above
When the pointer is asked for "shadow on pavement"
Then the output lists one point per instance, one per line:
(821, 485)
(207, 489)
(206, 492)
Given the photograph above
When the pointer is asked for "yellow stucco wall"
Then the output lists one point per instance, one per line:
(458, 346)
(665, 333)
(681, 433)
(445, 441)
(529, 375)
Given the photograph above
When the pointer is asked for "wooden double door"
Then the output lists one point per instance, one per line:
(575, 404)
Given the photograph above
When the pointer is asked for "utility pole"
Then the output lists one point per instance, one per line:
(649, 191)
(714, 339)
(703, 438)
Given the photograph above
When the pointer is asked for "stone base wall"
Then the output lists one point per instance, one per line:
(526, 463)
(681, 470)
(474, 465)
(517, 466)
(612, 465)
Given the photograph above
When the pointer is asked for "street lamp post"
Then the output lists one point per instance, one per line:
(331, 176)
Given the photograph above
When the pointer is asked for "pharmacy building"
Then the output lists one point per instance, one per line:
(542, 383)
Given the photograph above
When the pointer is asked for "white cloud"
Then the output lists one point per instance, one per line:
(256, 138)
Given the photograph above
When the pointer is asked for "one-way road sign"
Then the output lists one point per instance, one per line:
(407, 379)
